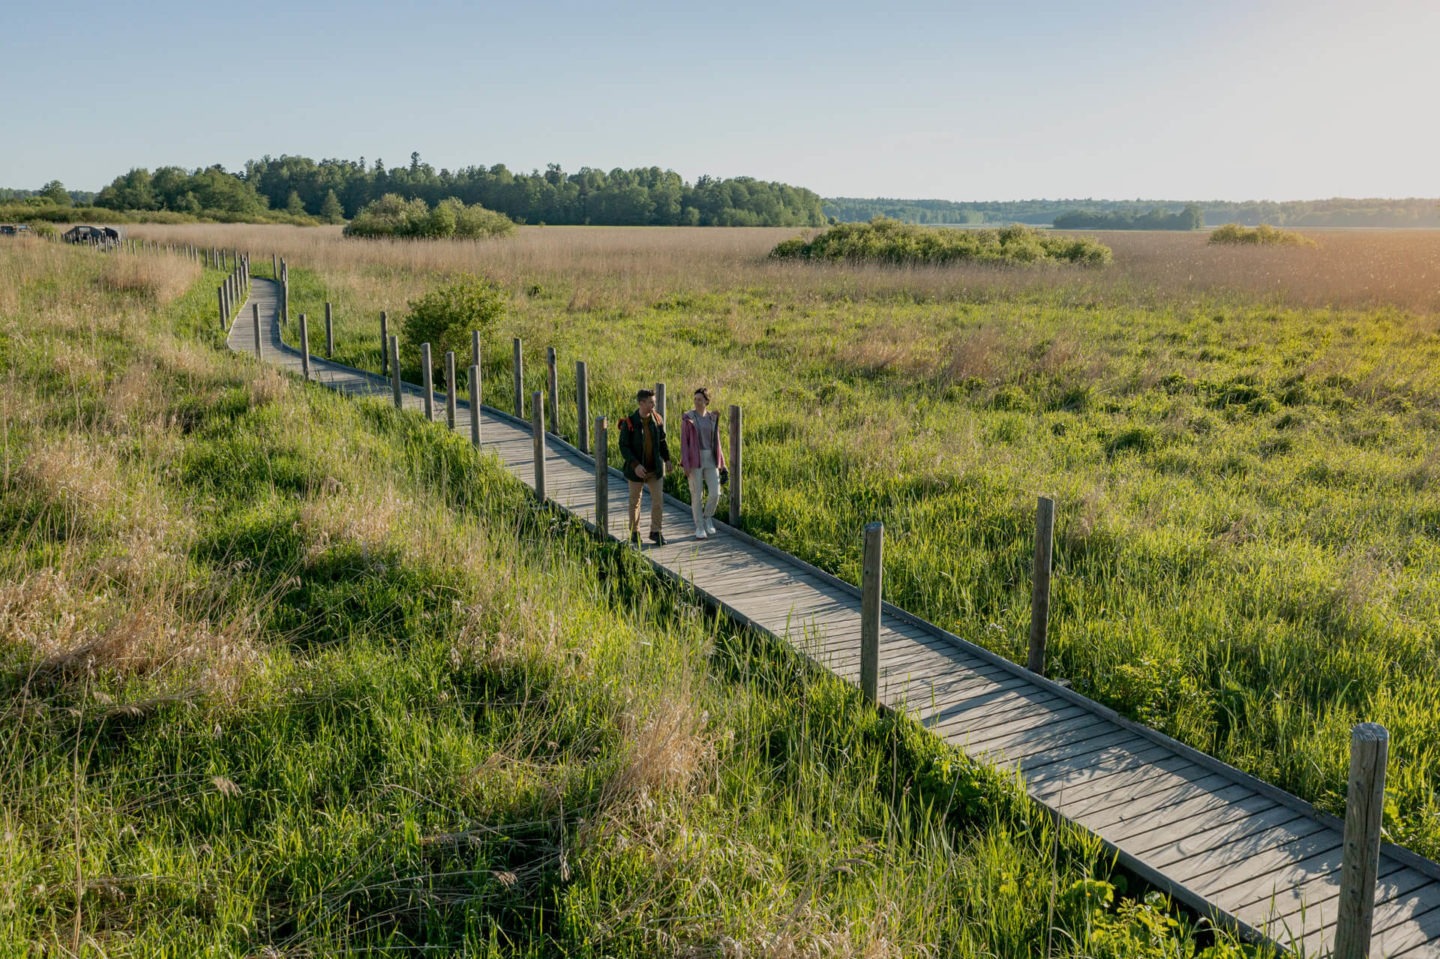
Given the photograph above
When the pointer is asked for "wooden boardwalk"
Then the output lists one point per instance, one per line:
(1223, 842)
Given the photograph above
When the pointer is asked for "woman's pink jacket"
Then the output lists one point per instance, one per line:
(690, 441)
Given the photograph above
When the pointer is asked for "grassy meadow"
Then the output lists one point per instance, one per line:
(289, 675)
(1242, 443)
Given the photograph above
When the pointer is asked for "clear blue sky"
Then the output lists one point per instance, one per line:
(1221, 99)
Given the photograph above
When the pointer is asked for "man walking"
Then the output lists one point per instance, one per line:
(642, 442)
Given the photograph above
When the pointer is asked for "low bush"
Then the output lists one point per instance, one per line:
(393, 215)
(445, 316)
(1263, 235)
(884, 240)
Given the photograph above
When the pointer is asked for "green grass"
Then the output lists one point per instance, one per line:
(288, 674)
(1248, 510)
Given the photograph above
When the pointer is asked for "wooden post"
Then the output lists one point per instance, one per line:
(450, 389)
(384, 340)
(602, 479)
(871, 584)
(1360, 862)
(537, 429)
(329, 331)
(475, 405)
(582, 405)
(274, 267)
(1040, 584)
(255, 321)
(427, 377)
(220, 295)
(474, 347)
(519, 382)
(660, 400)
(554, 387)
(395, 371)
(304, 347)
(735, 500)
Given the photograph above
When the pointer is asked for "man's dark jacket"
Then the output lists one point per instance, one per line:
(632, 445)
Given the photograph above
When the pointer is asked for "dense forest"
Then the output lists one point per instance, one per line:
(1295, 213)
(1188, 218)
(299, 189)
(332, 190)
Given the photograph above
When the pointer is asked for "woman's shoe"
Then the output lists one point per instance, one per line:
(710, 526)
(700, 532)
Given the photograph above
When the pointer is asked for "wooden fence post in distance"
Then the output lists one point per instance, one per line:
(304, 346)
(475, 405)
(736, 421)
(1040, 584)
(537, 429)
(519, 381)
(602, 478)
(553, 377)
(395, 371)
(428, 379)
(582, 405)
(872, 576)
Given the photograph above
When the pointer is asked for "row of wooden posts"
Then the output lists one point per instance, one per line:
(234, 290)
(1369, 741)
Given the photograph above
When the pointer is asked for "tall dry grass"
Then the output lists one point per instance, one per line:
(618, 267)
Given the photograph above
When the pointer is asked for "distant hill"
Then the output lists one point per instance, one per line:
(1337, 212)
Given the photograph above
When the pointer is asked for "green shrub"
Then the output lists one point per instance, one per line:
(444, 317)
(393, 215)
(1263, 235)
(890, 241)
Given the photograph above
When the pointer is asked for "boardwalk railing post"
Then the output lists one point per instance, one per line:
(220, 294)
(871, 585)
(1360, 862)
(329, 331)
(395, 371)
(1040, 590)
(304, 347)
(519, 382)
(384, 342)
(735, 471)
(274, 267)
(427, 377)
(474, 347)
(554, 387)
(537, 429)
(660, 400)
(475, 405)
(450, 389)
(255, 321)
(602, 479)
(582, 406)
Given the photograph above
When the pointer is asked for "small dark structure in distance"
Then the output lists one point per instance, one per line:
(100, 235)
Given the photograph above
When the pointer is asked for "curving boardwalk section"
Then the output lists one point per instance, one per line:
(1223, 842)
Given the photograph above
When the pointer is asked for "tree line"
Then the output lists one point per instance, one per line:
(332, 190)
(1188, 218)
(1335, 212)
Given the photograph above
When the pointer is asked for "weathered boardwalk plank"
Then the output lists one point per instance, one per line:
(1222, 842)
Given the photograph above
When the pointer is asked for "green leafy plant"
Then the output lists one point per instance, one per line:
(1233, 234)
(445, 316)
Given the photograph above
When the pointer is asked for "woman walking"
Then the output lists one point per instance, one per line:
(702, 460)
